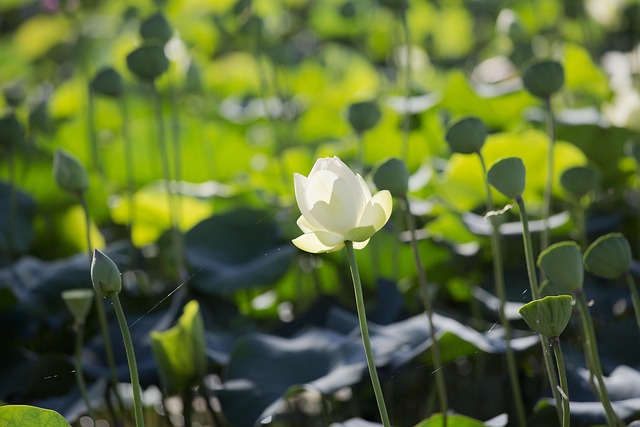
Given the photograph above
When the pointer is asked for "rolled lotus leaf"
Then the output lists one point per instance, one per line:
(508, 177)
(392, 175)
(543, 78)
(562, 265)
(609, 256)
(363, 115)
(548, 316)
(580, 181)
(467, 135)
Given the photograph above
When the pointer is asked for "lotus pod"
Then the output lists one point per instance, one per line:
(562, 264)
(543, 78)
(78, 301)
(609, 256)
(363, 115)
(548, 316)
(580, 181)
(467, 135)
(69, 173)
(105, 275)
(148, 62)
(107, 82)
(508, 177)
(392, 175)
(156, 29)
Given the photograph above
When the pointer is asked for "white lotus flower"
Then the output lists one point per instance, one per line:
(337, 206)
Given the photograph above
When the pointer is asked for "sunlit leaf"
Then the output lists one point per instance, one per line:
(30, 416)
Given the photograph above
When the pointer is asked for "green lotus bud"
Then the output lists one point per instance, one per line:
(156, 29)
(580, 181)
(543, 78)
(508, 177)
(11, 133)
(69, 173)
(14, 93)
(105, 275)
(609, 256)
(39, 117)
(107, 82)
(148, 62)
(363, 115)
(392, 175)
(548, 316)
(467, 135)
(632, 148)
(562, 264)
(78, 302)
(180, 351)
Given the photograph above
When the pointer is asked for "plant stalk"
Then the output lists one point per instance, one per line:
(635, 298)
(364, 330)
(548, 188)
(562, 373)
(128, 161)
(498, 273)
(441, 386)
(131, 359)
(407, 70)
(79, 329)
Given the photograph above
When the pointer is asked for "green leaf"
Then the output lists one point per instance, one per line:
(30, 416)
(452, 421)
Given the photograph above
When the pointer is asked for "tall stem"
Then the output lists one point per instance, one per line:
(635, 298)
(131, 359)
(594, 358)
(11, 241)
(441, 386)
(79, 327)
(498, 274)
(535, 294)
(128, 160)
(102, 315)
(364, 330)
(548, 188)
(91, 129)
(562, 373)
(407, 70)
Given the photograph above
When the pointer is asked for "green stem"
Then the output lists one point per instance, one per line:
(635, 298)
(441, 386)
(131, 359)
(366, 341)
(406, 119)
(79, 375)
(91, 128)
(11, 243)
(102, 315)
(498, 273)
(562, 373)
(128, 160)
(535, 294)
(581, 225)
(176, 235)
(548, 189)
(594, 359)
(187, 400)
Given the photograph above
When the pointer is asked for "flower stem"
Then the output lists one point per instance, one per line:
(128, 160)
(548, 189)
(407, 70)
(441, 386)
(562, 373)
(498, 272)
(11, 240)
(131, 359)
(364, 330)
(594, 359)
(102, 316)
(535, 294)
(635, 298)
(79, 327)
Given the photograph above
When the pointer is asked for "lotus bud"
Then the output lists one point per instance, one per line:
(543, 78)
(508, 177)
(467, 135)
(392, 175)
(105, 275)
(69, 173)
(148, 62)
(609, 256)
(156, 29)
(78, 302)
(548, 316)
(562, 264)
(11, 133)
(39, 117)
(363, 115)
(107, 82)
(580, 181)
